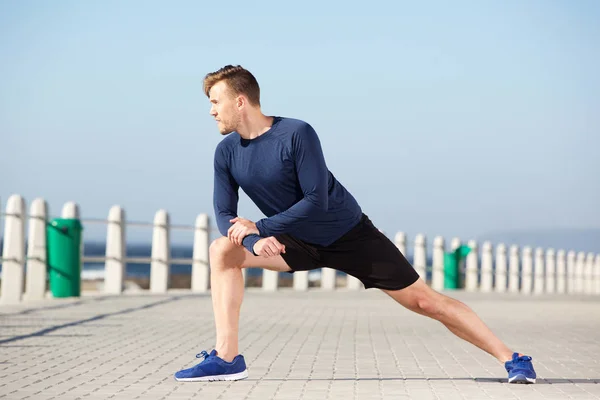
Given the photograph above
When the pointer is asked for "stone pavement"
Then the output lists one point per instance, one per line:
(313, 345)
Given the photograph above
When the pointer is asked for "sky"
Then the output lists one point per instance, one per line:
(442, 118)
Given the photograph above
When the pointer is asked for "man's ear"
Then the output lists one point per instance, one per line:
(240, 102)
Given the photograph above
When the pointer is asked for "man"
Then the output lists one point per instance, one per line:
(313, 222)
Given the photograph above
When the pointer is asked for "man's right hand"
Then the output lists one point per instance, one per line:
(268, 247)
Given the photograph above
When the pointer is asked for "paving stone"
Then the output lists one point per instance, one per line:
(326, 345)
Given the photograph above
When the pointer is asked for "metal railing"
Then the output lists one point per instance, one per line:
(520, 270)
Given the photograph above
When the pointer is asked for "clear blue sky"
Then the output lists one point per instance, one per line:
(451, 118)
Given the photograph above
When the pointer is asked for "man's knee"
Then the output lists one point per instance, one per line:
(224, 253)
(428, 305)
(426, 301)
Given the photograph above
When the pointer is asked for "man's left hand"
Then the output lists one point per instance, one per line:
(240, 229)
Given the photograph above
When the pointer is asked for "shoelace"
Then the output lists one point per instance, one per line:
(204, 354)
(522, 361)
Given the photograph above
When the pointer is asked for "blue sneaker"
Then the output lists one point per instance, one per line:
(214, 368)
(520, 369)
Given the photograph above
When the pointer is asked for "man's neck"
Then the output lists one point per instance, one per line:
(254, 126)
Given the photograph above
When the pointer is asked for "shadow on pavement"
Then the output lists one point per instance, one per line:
(540, 381)
(40, 325)
(543, 381)
(82, 301)
(55, 307)
(553, 381)
(44, 332)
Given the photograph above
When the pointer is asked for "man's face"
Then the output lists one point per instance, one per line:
(224, 108)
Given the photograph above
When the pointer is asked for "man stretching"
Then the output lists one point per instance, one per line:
(313, 222)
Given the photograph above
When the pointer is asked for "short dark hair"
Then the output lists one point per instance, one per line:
(238, 79)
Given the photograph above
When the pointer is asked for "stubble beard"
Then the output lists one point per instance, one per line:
(228, 127)
(225, 130)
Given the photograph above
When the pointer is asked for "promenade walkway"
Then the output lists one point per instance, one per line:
(312, 345)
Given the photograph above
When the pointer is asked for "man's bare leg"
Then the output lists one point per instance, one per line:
(227, 289)
(455, 315)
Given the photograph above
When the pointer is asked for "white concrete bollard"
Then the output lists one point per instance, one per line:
(571, 272)
(437, 273)
(200, 269)
(70, 210)
(400, 242)
(161, 253)
(538, 271)
(486, 267)
(550, 271)
(513, 269)
(36, 251)
(501, 268)
(353, 283)
(527, 271)
(13, 266)
(588, 274)
(327, 278)
(472, 268)
(597, 275)
(579, 267)
(420, 256)
(301, 280)
(561, 272)
(270, 280)
(455, 243)
(114, 271)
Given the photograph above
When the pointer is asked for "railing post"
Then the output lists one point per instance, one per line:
(579, 267)
(571, 271)
(36, 251)
(588, 274)
(471, 278)
(561, 270)
(420, 256)
(115, 251)
(301, 280)
(501, 268)
(327, 278)
(400, 242)
(70, 210)
(487, 259)
(513, 269)
(455, 243)
(13, 266)
(353, 283)
(538, 273)
(527, 272)
(270, 280)
(161, 253)
(550, 271)
(200, 270)
(437, 273)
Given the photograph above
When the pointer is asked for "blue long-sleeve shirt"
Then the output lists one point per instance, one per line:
(284, 173)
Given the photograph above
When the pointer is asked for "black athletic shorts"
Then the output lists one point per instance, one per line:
(363, 252)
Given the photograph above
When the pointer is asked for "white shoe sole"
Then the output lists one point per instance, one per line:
(230, 377)
(521, 379)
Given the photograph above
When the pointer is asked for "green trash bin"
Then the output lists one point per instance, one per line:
(452, 262)
(64, 257)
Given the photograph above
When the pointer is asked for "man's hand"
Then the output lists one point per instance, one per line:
(240, 229)
(268, 247)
